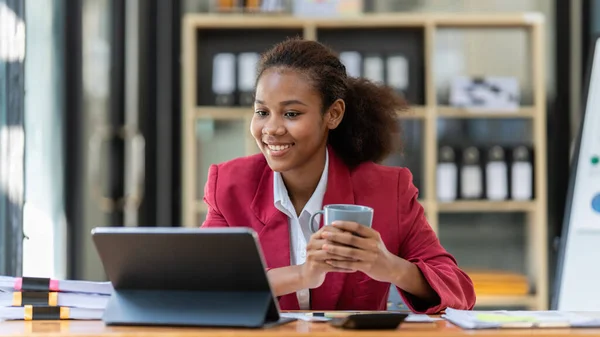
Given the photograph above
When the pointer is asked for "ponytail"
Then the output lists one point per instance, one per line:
(369, 130)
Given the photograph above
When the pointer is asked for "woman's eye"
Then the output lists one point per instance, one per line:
(291, 114)
(261, 113)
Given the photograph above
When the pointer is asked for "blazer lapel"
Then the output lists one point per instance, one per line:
(339, 191)
(273, 230)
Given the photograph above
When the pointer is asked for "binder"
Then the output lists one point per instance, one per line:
(397, 72)
(247, 66)
(352, 60)
(447, 175)
(374, 68)
(471, 176)
(496, 174)
(223, 79)
(521, 174)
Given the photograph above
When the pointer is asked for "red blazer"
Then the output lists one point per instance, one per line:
(240, 193)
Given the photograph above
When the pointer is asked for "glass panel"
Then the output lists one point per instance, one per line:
(412, 154)
(217, 141)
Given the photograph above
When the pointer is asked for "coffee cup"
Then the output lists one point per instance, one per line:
(344, 212)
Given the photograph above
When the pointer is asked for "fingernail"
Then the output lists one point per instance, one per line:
(325, 234)
(336, 223)
(325, 247)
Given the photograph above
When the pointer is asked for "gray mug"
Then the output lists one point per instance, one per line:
(344, 212)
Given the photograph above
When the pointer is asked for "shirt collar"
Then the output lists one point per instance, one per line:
(282, 200)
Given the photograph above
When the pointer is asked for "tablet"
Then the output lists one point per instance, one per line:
(186, 276)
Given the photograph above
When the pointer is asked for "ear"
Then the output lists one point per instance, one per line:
(335, 114)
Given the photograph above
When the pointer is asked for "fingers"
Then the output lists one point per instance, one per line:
(349, 253)
(346, 265)
(322, 255)
(358, 229)
(348, 239)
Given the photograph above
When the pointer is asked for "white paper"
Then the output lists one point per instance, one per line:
(397, 72)
(247, 63)
(75, 300)
(7, 283)
(352, 61)
(521, 182)
(18, 313)
(419, 318)
(472, 319)
(447, 177)
(304, 317)
(496, 180)
(223, 78)
(374, 68)
(470, 182)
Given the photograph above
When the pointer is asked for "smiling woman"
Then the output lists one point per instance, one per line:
(322, 135)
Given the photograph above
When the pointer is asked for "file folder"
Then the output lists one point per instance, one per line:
(447, 175)
(521, 174)
(471, 176)
(496, 174)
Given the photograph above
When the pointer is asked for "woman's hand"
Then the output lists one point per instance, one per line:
(358, 247)
(314, 269)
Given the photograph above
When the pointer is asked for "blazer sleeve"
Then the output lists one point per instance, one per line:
(422, 247)
(214, 218)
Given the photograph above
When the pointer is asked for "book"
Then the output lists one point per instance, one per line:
(8, 283)
(504, 319)
(53, 299)
(32, 313)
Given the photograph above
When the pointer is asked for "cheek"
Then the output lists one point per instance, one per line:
(255, 128)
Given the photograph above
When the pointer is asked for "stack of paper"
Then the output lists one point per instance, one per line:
(31, 298)
(520, 319)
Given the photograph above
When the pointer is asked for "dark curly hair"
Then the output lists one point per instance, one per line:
(369, 130)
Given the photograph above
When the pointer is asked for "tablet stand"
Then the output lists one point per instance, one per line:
(247, 309)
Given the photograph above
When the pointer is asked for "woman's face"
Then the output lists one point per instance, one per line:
(287, 124)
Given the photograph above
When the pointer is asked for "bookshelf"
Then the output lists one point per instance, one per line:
(204, 34)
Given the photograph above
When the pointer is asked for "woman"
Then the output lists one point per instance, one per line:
(321, 133)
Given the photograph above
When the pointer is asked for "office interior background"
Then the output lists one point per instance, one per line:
(110, 116)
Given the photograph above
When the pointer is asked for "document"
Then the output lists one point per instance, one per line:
(8, 283)
(31, 313)
(53, 299)
(520, 319)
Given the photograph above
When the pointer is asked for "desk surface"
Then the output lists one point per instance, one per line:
(97, 328)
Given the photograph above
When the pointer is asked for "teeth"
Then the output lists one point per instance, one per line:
(278, 147)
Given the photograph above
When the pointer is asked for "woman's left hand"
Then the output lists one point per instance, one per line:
(362, 244)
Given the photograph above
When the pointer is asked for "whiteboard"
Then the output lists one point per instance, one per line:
(577, 285)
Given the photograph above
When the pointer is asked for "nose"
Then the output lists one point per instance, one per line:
(273, 126)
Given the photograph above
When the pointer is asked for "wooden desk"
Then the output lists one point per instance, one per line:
(97, 328)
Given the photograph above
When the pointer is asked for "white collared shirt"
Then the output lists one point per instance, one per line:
(300, 231)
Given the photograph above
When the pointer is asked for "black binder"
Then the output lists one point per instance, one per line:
(186, 277)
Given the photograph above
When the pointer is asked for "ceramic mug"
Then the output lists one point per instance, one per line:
(344, 212)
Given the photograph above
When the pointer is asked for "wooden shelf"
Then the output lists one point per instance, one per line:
(486, 206)
(455, 20)
(204, 34)
(503, 301)
(452, 112)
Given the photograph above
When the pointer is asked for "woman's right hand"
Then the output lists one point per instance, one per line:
(315, 268)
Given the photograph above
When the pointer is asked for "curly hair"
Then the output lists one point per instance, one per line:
(369, 130)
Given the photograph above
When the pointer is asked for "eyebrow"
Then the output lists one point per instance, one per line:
(285, 103)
